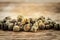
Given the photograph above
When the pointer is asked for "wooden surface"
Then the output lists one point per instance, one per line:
(41, 35)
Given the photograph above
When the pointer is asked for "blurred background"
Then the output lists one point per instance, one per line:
(30, 8)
